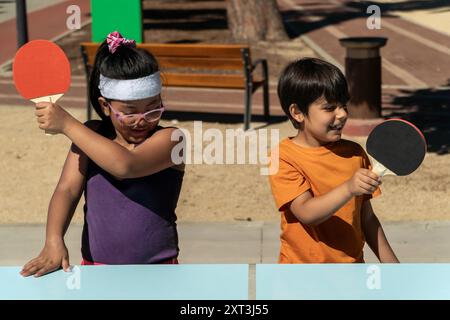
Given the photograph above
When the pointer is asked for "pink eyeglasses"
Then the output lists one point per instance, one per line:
(131, 120)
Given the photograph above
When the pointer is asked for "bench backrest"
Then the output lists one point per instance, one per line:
(196, 65)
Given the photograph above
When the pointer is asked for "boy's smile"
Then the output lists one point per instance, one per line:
(323, 124)
(337, 127)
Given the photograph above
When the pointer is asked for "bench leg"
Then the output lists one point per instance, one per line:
(248, 111)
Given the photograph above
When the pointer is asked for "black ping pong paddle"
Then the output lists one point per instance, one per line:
(397, 147)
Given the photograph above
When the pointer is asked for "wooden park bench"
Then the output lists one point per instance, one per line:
(226, 66)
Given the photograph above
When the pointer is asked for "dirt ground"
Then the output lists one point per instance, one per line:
(31, 162)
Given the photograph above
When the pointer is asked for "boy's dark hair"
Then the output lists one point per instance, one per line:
(125, 63)
(304, 81)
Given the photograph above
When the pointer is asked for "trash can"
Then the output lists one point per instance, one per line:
(363, 73)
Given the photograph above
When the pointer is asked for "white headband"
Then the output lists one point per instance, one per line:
(133, 89)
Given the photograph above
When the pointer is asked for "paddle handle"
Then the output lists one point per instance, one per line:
(379, 169)
(52, 98)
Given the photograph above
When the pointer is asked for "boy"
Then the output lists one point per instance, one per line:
(324, 184)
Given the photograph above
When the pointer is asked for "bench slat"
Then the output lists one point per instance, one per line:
(195, 58)
(201, 63)
(203, 80)
(194, 50)
(180, 50)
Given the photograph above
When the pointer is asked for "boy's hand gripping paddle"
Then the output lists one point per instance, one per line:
(397, 147)
(41, 71)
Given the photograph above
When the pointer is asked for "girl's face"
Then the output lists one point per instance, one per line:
(324, 122)
(122, 114)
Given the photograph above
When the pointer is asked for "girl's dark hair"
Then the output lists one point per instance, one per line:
(304, 81)
(125, 63)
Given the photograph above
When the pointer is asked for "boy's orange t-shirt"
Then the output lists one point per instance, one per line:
(339, 239)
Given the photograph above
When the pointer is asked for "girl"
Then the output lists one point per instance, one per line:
(122, 163)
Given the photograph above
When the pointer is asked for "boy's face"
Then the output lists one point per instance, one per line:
(324, 122)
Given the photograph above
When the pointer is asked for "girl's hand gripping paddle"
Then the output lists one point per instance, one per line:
(397, 147)
(41, 71)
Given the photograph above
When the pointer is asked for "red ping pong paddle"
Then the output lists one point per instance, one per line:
(397, 147)
(41, 71)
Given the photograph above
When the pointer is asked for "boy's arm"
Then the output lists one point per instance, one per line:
(374, 234)
(312, 210)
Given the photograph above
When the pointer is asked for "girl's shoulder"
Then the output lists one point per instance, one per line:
(98, 126)
(174, 136)
(169, 131)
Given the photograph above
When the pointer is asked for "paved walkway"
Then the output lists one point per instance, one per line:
(415, 60)
(46, 20)
(236, 242)
(8, 8)
(429, 14)
(414, 56)
(415, 68)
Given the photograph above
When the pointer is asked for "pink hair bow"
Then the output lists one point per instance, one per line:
(116, 40)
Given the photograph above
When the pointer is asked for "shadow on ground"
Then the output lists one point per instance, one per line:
(429, 109)
(185, 19)
(298, 22)
(218, 117)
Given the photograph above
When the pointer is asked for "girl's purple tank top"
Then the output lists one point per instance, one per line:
(130, 221)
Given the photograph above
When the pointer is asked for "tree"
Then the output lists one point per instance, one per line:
(255, 20)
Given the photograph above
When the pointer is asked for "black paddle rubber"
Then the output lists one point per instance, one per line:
(398, 145)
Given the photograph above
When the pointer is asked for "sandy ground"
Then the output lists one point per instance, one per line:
(31, 163)
(437, 18)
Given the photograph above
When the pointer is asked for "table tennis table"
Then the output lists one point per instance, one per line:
(420, 281)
